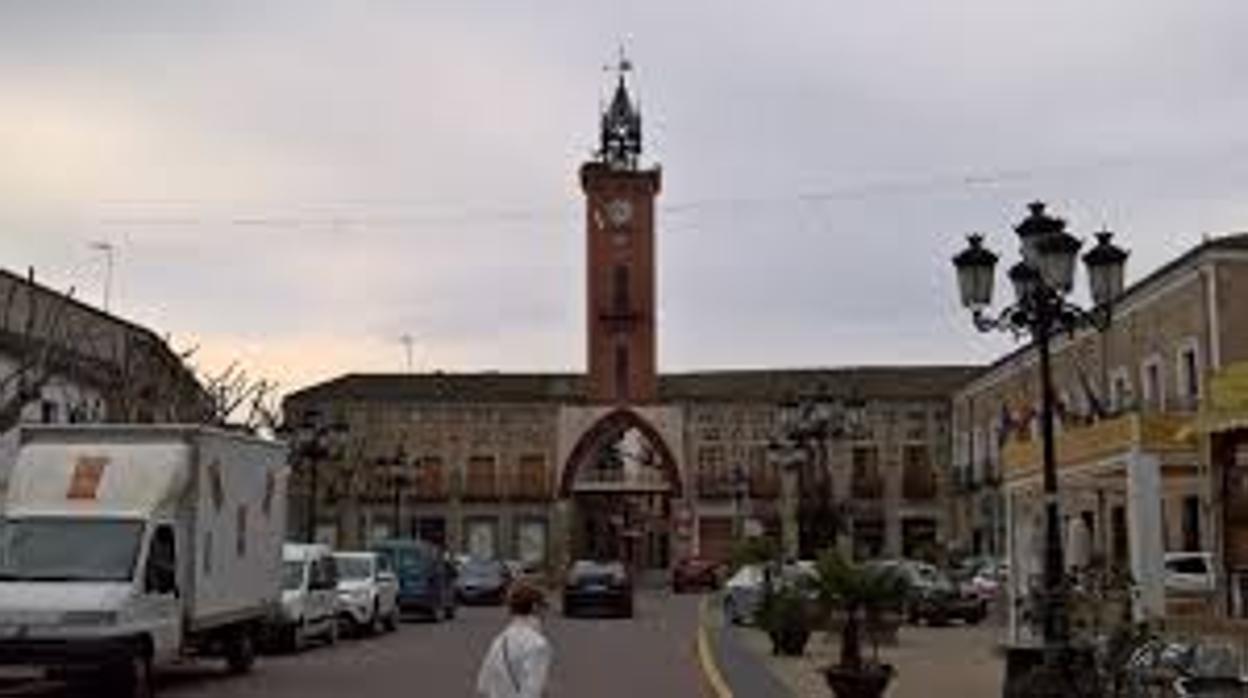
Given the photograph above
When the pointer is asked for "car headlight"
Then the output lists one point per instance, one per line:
(354, 595)
(89, 618)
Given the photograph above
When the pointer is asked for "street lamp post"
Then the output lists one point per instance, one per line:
(398, 465)
(1042, 280)
(808, 425)
(315, 440)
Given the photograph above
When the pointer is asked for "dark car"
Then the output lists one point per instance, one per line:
(482, 582)
(934, 597)
(599, 588)
(695, 573)
(426, 578)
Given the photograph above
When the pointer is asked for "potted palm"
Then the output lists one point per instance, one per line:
(786, 616)
(857, 593)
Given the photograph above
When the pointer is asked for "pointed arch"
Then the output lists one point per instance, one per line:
(609, 428)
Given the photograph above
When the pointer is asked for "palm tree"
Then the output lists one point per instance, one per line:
(860, 593)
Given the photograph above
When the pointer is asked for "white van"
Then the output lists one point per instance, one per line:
(309, 595)
(128, 546)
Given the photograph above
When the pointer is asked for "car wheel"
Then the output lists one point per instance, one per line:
(391, 622)
(331, 635)
(298, 637)
(375, 622)
(240, 653)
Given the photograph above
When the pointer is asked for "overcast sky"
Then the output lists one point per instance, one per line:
(297, 184)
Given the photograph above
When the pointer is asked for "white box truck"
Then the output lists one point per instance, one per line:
(124, 547)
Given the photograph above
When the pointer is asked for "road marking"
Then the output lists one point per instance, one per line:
(706, 656)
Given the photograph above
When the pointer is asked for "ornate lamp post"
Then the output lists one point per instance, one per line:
(314, 440)
(807, 426)
(1042, 281)
(397, 466)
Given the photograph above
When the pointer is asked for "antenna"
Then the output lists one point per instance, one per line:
(108, 249)
(406, 340)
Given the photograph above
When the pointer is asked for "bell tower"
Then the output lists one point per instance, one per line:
(619, 231)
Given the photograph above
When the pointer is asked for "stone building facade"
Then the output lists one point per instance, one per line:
(1132, 392)
(487, 463)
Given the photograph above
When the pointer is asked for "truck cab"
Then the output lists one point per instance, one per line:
(128, 547)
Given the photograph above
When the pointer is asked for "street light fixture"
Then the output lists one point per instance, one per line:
(313, 440)
(1041, 281)
(398, 465)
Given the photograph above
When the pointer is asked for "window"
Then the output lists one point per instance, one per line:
(1150, 378)
(620, 290)
(621, 372)
(48, 412)
(160, 577)
(1191, 523)
(1189, 374)
(1120, 389)
(240, 530)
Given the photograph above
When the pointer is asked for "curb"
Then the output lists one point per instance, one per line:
(713, 679)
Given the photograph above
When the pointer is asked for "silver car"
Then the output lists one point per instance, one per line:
(743, 592)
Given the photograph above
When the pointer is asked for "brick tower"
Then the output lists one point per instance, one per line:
(619, 228)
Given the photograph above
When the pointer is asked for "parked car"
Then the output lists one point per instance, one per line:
(1190, 573)
(483, 582)
(309, 595)
(743, 592)
(695, 573)
(368, 592)
(426, 577)
(604, 587)
(985, 580)
(934, 597)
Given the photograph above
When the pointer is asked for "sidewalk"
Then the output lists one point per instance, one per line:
(953, 661)
(742, 669)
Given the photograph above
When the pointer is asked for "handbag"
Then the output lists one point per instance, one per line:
(511, 673)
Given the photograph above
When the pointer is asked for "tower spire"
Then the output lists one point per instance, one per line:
(620, 125)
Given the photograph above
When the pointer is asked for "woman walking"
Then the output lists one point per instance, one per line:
(516, 664)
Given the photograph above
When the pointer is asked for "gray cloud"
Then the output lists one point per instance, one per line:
(320, 179)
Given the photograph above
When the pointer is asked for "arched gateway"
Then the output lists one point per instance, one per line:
(619, 479)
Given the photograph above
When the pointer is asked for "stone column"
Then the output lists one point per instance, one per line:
(558, 534)
(1012, 581)
(788, 510)
(1144, 534)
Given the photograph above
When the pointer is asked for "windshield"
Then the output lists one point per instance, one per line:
(292, 574)
(52, 549)
(483, 569)
(408, 562)
(355, 568)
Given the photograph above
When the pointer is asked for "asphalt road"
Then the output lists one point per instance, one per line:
(651, 655)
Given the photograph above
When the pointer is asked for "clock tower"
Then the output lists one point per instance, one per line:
(619, 229)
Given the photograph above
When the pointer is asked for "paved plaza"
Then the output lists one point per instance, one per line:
(957, 660)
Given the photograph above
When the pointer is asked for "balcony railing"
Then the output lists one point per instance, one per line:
(528, 486)
(919, 486)
(611, 479)
(430, 484)
(868, 487)
(713, 486)
(481, 486)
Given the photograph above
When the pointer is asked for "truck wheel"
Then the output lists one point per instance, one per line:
(131, 678)
(298, 639)
(240, 651)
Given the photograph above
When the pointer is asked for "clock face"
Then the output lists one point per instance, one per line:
(619, 211)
